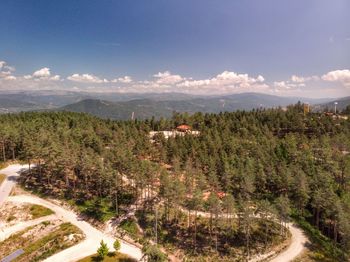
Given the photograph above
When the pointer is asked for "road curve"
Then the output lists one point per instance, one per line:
(6, 232)
(12, 173)
(93, 236)
(296, 247)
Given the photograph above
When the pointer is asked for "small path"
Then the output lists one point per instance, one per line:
(12, 173)
(297, 245)
(6, 232)
(93, 236)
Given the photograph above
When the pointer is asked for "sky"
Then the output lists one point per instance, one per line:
(281, 47)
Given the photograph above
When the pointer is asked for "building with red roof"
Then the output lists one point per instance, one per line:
(183, 128)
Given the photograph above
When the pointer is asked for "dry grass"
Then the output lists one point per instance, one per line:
(41, 241)
(2, 178)
(12, 213)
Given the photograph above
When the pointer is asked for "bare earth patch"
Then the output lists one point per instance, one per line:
(12, 213)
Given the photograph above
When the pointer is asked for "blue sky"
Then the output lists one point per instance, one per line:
(177, 45)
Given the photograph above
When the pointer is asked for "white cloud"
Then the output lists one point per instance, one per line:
(41, 73)
(10, 78)
(342, 76)
(27, 77)
(297, 79)
(5, 67)
(281, 85)
(85, 78)
(330, 84)
(227, 82)
(124, 80)
(55, 78)
(296, 83)
(6, 71)
(302, 79)
(167, 78)
(260, 78)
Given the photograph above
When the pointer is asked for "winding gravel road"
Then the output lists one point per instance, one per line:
(6, 232)
(298, 242)
(296, 247)
(12, 173)
(93, 236)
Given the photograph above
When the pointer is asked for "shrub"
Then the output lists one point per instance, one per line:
(103, 250)
(116, 245)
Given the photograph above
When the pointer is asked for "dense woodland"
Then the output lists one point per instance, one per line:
(281, 162)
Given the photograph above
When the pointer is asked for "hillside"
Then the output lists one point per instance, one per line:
(11, 105)
(240, 163)
(342, 104)
(148, 107)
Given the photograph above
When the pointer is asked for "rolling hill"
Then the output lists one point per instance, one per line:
(146, 108)
(10, 105)
(342, 104)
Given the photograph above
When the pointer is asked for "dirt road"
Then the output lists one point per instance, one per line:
(6, 232)
(93, 235)
(297, 245)
(12, 173)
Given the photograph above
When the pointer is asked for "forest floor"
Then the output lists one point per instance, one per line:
(297, 244)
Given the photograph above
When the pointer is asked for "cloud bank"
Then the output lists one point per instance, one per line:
(333, 83)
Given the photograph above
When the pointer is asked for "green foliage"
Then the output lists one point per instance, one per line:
(39, 211)
(153, 254)
(38, 249)
(103, 250)
(116, 245)
(288, 158)
(129, 225)
(323, 246)
(111, 257)
(98, 208)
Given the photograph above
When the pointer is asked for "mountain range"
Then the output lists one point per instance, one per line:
(122, 105)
